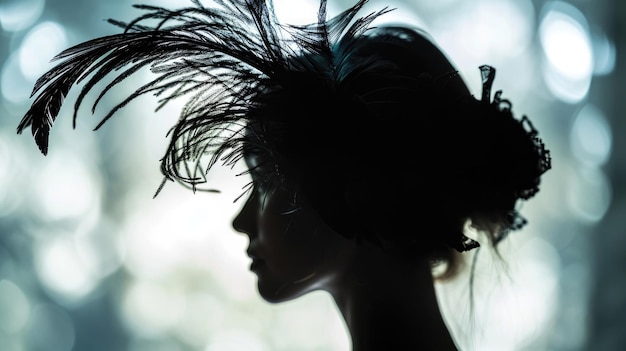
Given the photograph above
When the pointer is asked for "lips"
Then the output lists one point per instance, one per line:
(252, 254)
(256, 264)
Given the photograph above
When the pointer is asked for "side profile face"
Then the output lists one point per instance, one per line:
(293, 251)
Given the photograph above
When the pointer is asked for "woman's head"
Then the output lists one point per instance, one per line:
(389, 146)
(370, 129)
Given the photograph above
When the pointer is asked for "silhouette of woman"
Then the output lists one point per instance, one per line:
(367, 153)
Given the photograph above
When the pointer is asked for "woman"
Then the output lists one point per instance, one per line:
(368, 155)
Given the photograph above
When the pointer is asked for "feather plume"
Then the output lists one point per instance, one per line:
(214, 56)
(327, 97)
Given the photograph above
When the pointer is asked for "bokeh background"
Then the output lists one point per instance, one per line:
(90, 261)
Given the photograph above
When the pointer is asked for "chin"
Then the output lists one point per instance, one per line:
(276, 293)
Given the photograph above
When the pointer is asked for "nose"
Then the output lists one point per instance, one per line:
(245, 220)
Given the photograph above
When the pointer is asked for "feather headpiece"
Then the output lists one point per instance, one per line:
(324, 101)
(217, 57)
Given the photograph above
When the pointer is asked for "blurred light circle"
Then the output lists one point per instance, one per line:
(487, 36)
(66, 275)
(16, 15)
(538, 281)
(516, 16)
(204, 313)
(603, 54)
(296, 12)
(66, 188)
(566, 43)
(591, 136)
(150, 242)
(543, 277)
(565, 89)
(160, 343)
(438, 6)
(15, 307)
(163, 237)
(314, 311)
(530, 296)
(499, 33)
(565, 39)
(50, 328)
(40, 45)
(589, 196)
(99, 245)
(150, 309)
(12, 158)
(572, 332)
(14, 86)
(235, 340)
(398, 16)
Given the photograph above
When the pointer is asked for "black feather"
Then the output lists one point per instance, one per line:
(323, 93)
(213, 56)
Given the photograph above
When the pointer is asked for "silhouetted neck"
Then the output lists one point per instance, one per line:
(388, 306)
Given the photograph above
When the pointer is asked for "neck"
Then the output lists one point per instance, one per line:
(389, 305)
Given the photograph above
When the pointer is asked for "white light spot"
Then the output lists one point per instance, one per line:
(591, 137)
(163, 237)
(399, 16)
(204, 313)
(66, 188)
(62, 270)
(566, 43)
(297, 12)
(313, 311)
(529, 296)
(565, 89)
(40, 45)
(12, 159)
(99, 247)
(16, 15)
(490, 29)
(524, 285)
(590, 194)
(15, 87)
(235, 340)
(437, 6)
(152, 309)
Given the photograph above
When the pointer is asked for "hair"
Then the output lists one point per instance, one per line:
(374, 125)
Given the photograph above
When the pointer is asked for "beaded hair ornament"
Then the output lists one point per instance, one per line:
(317, 101)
